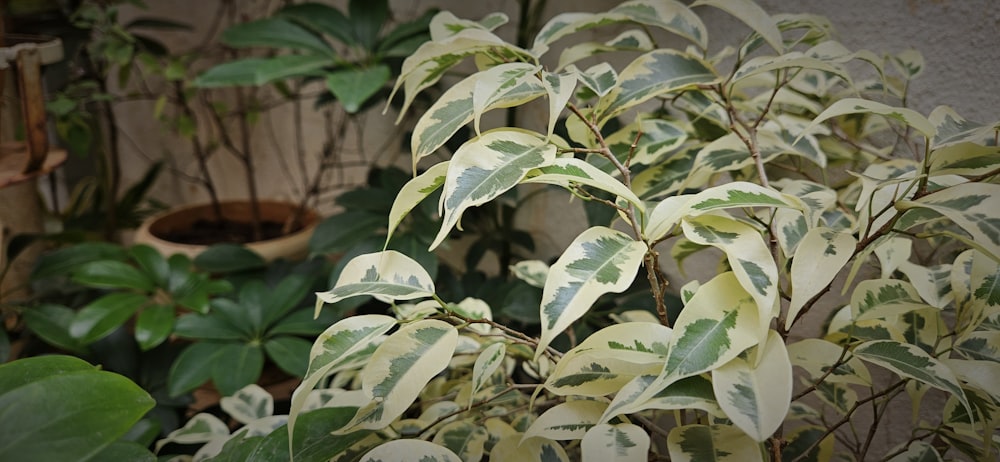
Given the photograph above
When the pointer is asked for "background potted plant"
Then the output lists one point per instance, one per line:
(734, 155)
(274, 61)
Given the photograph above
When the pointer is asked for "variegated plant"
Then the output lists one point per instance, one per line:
(825, 200)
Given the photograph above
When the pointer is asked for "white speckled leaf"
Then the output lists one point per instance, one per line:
(817, 355)
(756, 397)
(413, 192)
(819, 257)
(972, 206)
(752, 15)
(486, 363)
(911, 361)
(716, 443)
(536, 449)
(598, 261)
(408, 450)
(566, 171)
(387, 274)
(567, 421)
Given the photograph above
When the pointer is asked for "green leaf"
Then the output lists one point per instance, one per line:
(718, 323)
(102, 316)
(600, 260)
(152, 263)
(228, 258)
(909, 361)
(650, 75)
(236, 366)
(275, 32)
(388, 274)
(400, 368)
(332, 348)
(321, 19)
(314, 442)
(622, 442)
(291, 354)
(567, 421)
(353, 87)
(972, 206)
(153, 325)
(752, 15)
(487, 166)
(53, 404)
(112, 274)
(367, 19)
(261, 71)
(51, 322)
(716, 443)
(207, 327)
(756, 395)
(819, 257)
(408, 450)
(340, 232)
(193, 367)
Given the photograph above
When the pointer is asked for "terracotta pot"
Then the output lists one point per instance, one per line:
(293, 246)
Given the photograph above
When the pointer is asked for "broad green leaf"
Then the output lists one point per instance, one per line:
(917, 451)
(559, 88)
(407, 450)
(598, 261)
(716, 443)
(67, 259)
(333, 348)
(228, 258)
(466, 439)
(748, 255)
(112, 274)
(862, 106)
(650, 75)
(756, 396)
(752, 15)
(413, 192)
(716, 325)
(261, 71)
(568, 171)
(972, 206)
(952, 128)
(609, 358)
(248, 404)
(884, 298)
(51, 323)
(273, 33)
(353, 87)
(453, 109)
(236, 366)
(486, 167)
(486, 364)
(319, 18)
(102, 316)
(426, 66)
(493, 83)
(817, 356)
(819, 257)
(400, 368)
(388, 274)
(289, 353)
(567, 421)
(152, 263)
(51, 406)
(622, 442)
(910, 361)
(536, 449)
(153, 325)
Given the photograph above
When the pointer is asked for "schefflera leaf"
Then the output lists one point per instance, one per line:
(600, 260)
(336, 346)
(717, 324)
(621, 442)
(609, 358)
(388, 274)
(400, 368)
(819, 257)
(409, 450)
(756, 394)
(718, 443)
(486, 167)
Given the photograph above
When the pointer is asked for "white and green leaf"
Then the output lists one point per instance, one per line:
(534, 272)
(388, 274)
(486, 364)
(609, 358)
(599, 78)
(818, 356)
(755, 393)
(534, 449)
(819, 257)
(569, 171)
(972, 206)
(912, 362)
(951, 128)
(862, 106)
(560, 88)
(413, 192)
(493, 83)
(884, 298)
(408, 450)
(752, 15)
(622, 442)
(567, 421)
(466, 439)
(400, 368)
(716, 443)
(600, 260)
(486, 167)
